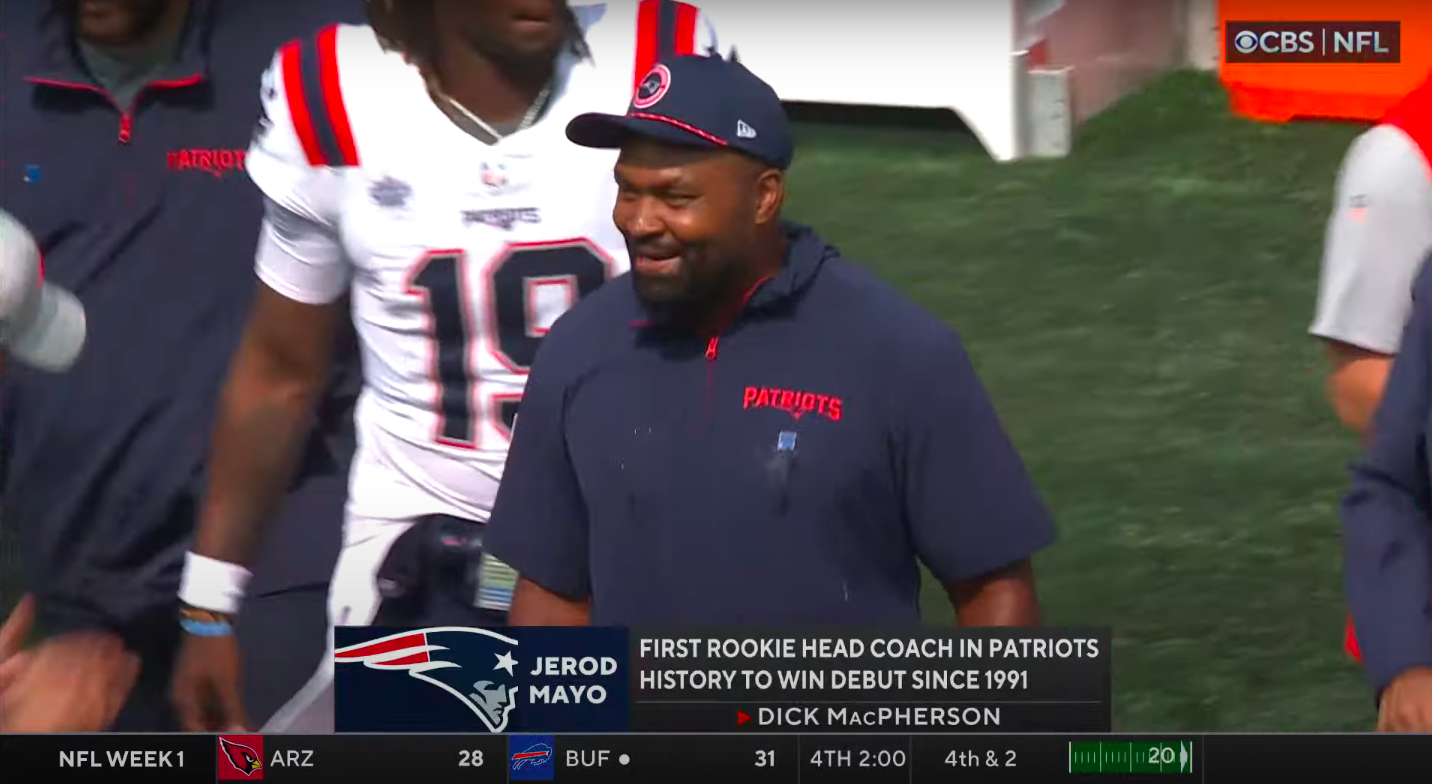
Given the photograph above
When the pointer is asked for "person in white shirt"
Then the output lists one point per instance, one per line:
(419, 166)
(1378, 235)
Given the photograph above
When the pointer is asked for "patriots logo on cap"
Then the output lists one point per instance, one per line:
(652, 88)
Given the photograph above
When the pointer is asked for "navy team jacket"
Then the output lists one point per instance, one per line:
(1387, 515)
(145, 212)
(792, 469)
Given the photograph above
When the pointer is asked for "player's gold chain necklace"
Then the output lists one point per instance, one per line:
(533, 112)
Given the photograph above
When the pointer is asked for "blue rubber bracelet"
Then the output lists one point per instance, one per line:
(206, 628)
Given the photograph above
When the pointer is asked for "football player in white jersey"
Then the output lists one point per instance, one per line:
(417, 167)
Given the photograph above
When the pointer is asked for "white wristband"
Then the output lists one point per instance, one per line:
(214, 585)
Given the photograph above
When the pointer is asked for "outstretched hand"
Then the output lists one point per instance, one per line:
(205, 688)
(76, 682)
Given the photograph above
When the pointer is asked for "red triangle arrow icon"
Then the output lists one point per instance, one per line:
(742, 717)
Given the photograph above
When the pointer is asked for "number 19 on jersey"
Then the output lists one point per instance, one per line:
(526, 287)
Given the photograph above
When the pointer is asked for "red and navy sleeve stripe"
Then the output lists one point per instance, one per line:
(315, 100)
(665, 29)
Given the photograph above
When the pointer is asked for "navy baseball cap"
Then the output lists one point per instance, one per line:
(696, 101)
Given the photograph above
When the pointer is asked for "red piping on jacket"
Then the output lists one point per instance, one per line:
(126, 116)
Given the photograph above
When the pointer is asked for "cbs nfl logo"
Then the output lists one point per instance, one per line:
(1312, 42)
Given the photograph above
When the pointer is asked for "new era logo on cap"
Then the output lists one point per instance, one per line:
(744, 131)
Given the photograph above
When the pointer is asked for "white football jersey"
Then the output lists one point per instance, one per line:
(458, 255)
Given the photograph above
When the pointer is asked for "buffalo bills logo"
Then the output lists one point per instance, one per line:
(462, 662)
(532, 756)
(652, 88)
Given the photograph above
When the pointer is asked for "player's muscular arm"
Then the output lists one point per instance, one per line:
(533, 605)
(265, 414)
(1355, 383)
(1004, 597)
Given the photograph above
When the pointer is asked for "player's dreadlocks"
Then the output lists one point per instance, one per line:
(407, 26)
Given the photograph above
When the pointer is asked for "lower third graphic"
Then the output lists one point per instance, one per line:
(534, 757)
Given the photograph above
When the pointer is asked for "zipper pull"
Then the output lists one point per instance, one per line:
(126, 129)
(711, 348)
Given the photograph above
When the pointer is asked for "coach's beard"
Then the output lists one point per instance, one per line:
(684, 299)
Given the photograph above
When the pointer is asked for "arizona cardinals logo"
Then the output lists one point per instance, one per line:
(456, 659)
(244, 759)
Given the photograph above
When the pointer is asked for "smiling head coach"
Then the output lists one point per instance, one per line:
(749, 429)
(121, 151)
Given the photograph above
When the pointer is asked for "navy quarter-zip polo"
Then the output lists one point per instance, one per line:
(792, 470)
(1387, 515)
(145, 212)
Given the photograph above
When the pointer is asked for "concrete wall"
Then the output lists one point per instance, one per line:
(1111, 47)
(1202, 42)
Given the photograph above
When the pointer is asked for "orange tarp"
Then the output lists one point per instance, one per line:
(1280, 92)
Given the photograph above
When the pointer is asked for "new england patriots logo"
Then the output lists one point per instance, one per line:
(652, 88)
(461, 661)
